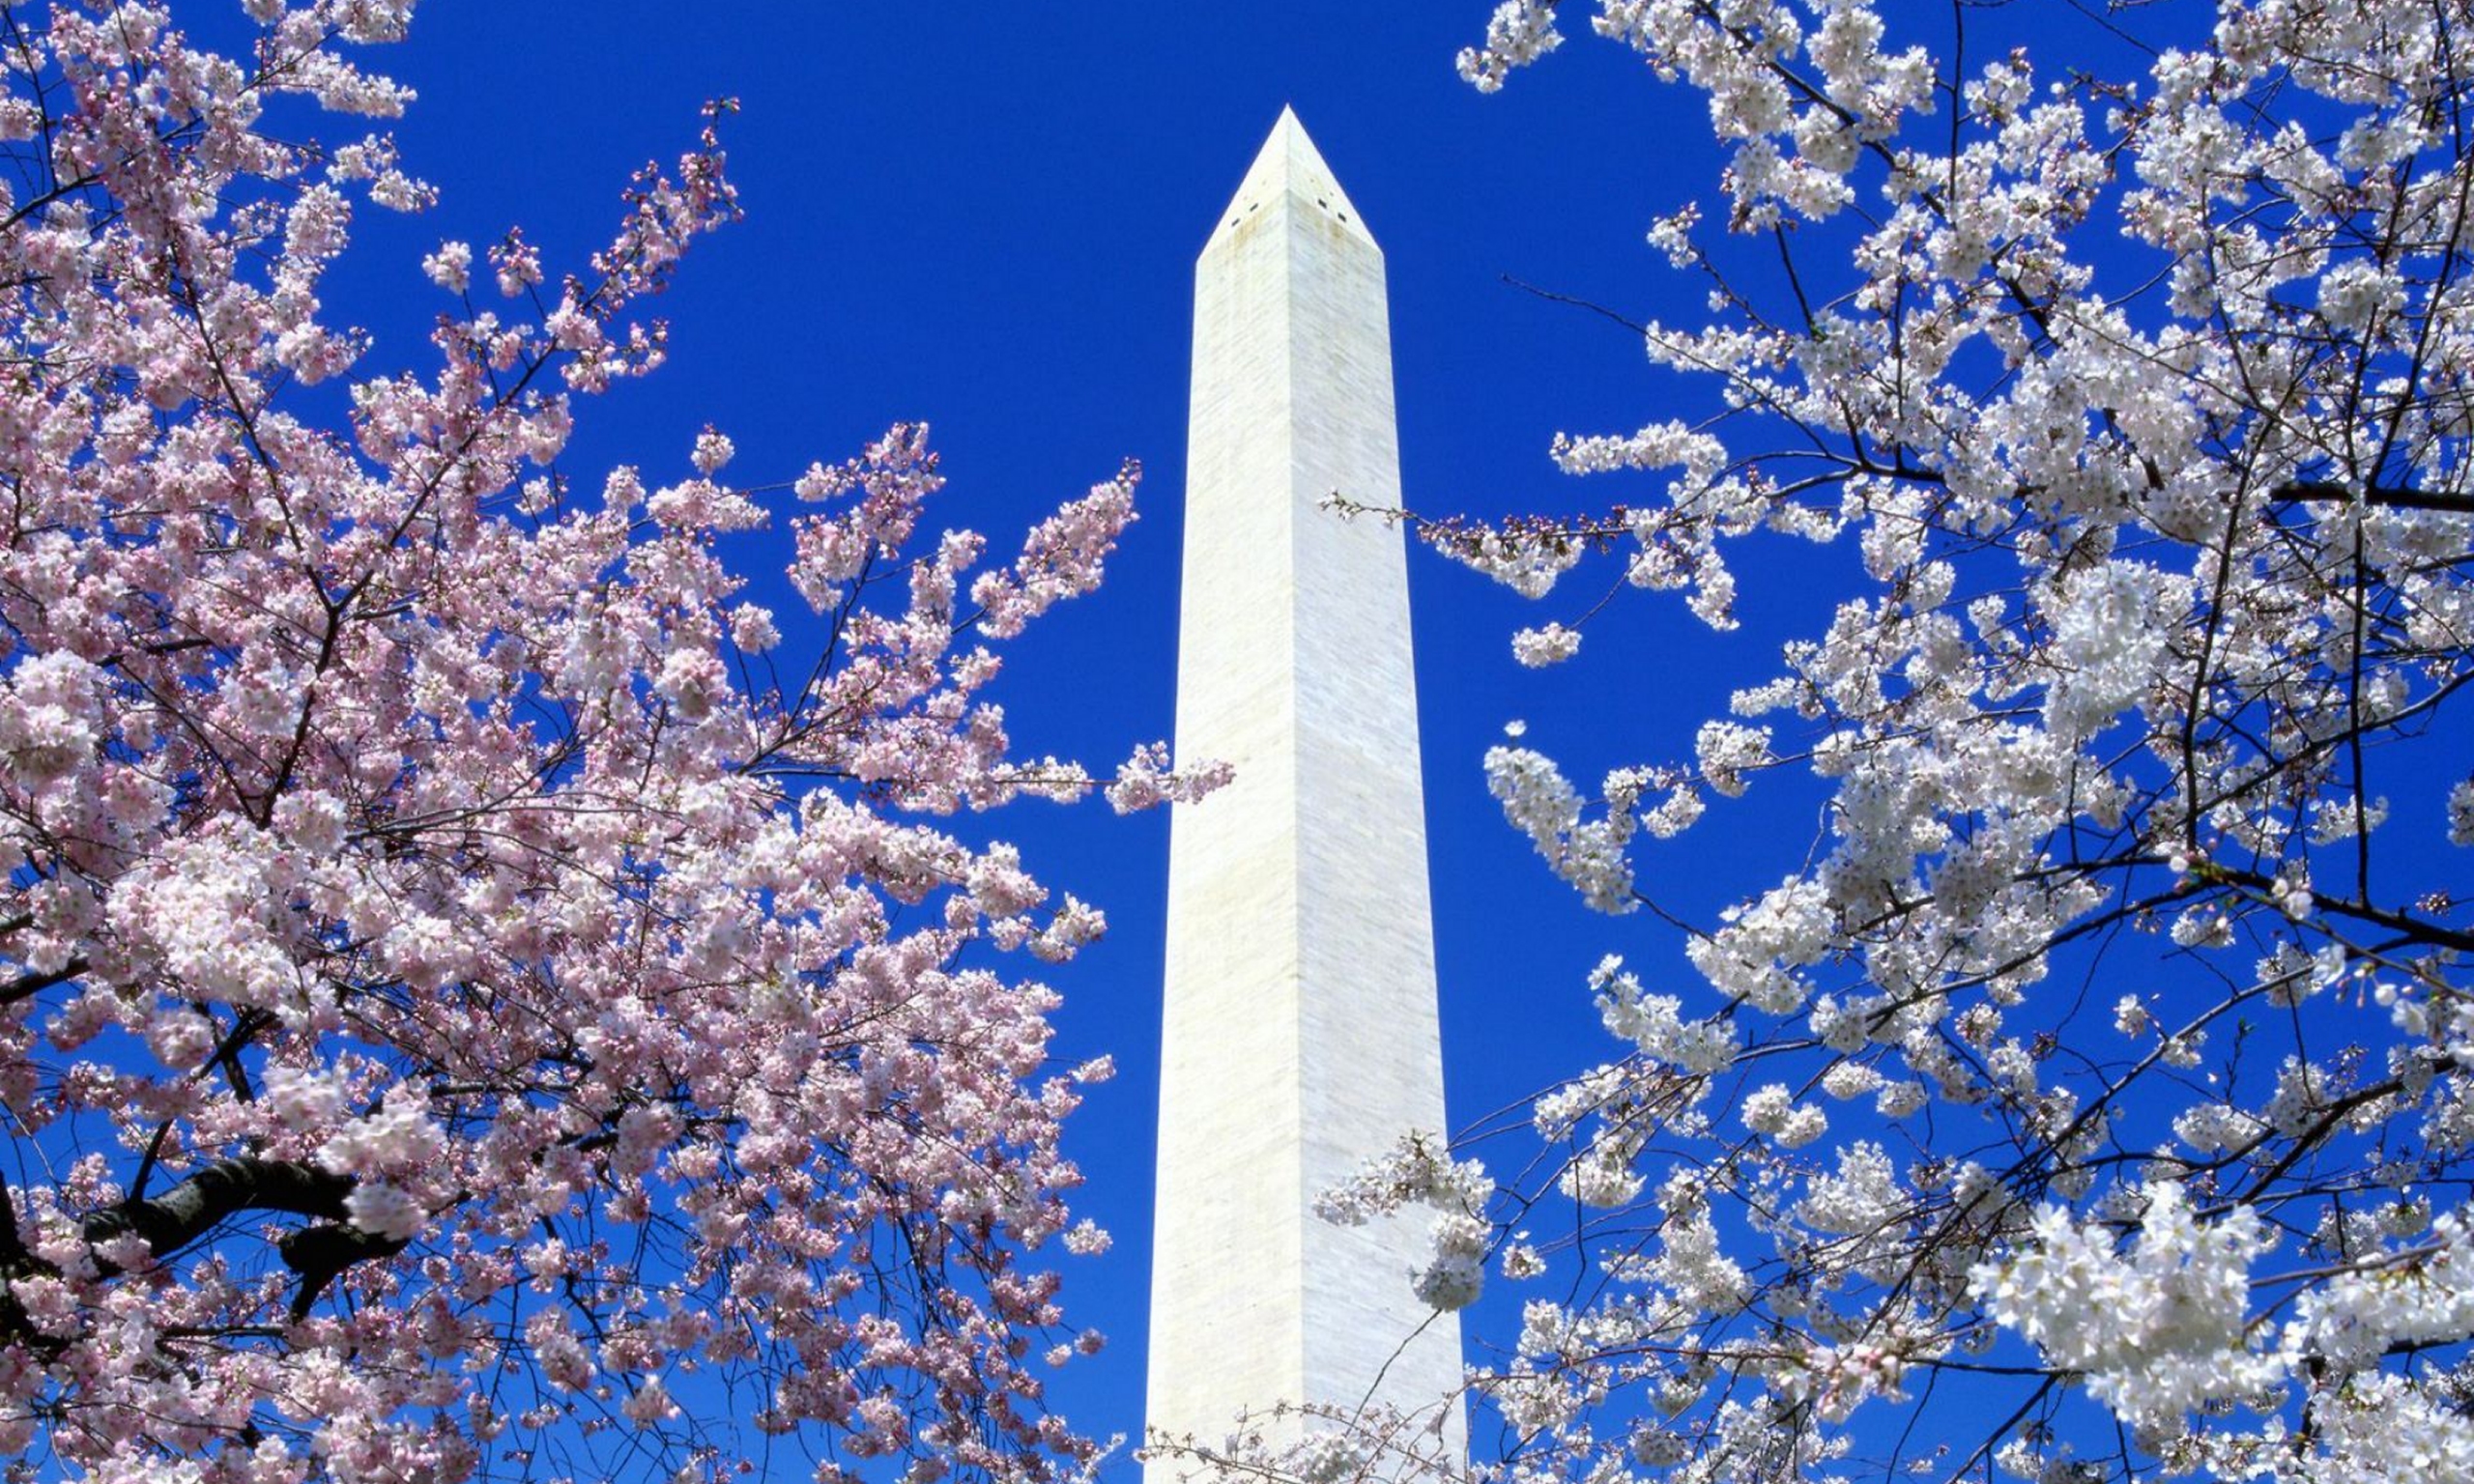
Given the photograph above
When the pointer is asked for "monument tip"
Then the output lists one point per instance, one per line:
(1290, 167)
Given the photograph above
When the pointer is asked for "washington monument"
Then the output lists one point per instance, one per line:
(1301, 1035)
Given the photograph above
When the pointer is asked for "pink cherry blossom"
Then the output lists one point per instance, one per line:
(450, 1010)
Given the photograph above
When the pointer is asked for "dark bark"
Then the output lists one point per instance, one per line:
(168, 1222)
(28, 986)
(321, 1253)
(2319, 493)
(13, 1244)
(179, 1217)
(191, 1209)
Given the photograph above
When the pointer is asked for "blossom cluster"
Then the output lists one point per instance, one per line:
(2105, 1063)
(455, 1004)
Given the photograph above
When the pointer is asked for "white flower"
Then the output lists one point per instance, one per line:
(47, 716)
(650, 1403)
(399, 1136)
(1603, 1178)
(451, 267)
(2111, 620)
(752, 628)
(1772, 1110)
(1727, 750)
(1589, 854)
(301, 1100)
(180, 1037)
(2356, 291)
(1898, 1099)
(1551, 645)
(1456, 1273)
(1519, 33)
(2159, 1330)
(313, 820)
(1453, 1280)
(385, 1209)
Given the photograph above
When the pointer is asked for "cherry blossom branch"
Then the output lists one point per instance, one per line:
(186, 1211)
(2322, 491)
(26, 987)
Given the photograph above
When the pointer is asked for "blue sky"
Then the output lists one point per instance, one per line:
(987, 217)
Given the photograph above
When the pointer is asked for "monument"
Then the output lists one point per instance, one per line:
(1299, 1033)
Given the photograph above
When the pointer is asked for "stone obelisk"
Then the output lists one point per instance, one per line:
(1301, 1034)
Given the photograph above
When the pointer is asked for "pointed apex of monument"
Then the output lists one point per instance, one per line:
(1288, 166)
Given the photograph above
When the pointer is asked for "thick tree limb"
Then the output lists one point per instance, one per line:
(13, 1243)
(191, 1209)
(194, 1206)
(321, 1253)
(2320, 492)
(188, 1210)
(27, 986)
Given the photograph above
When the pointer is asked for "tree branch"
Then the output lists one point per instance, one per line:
(2318, 492)
(321, 1253)
(27, 986)
(181, 1215)
(191, 1209)
(13, 1242)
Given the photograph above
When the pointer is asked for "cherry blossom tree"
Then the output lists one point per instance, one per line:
(2095, 1101)
(479, 997)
